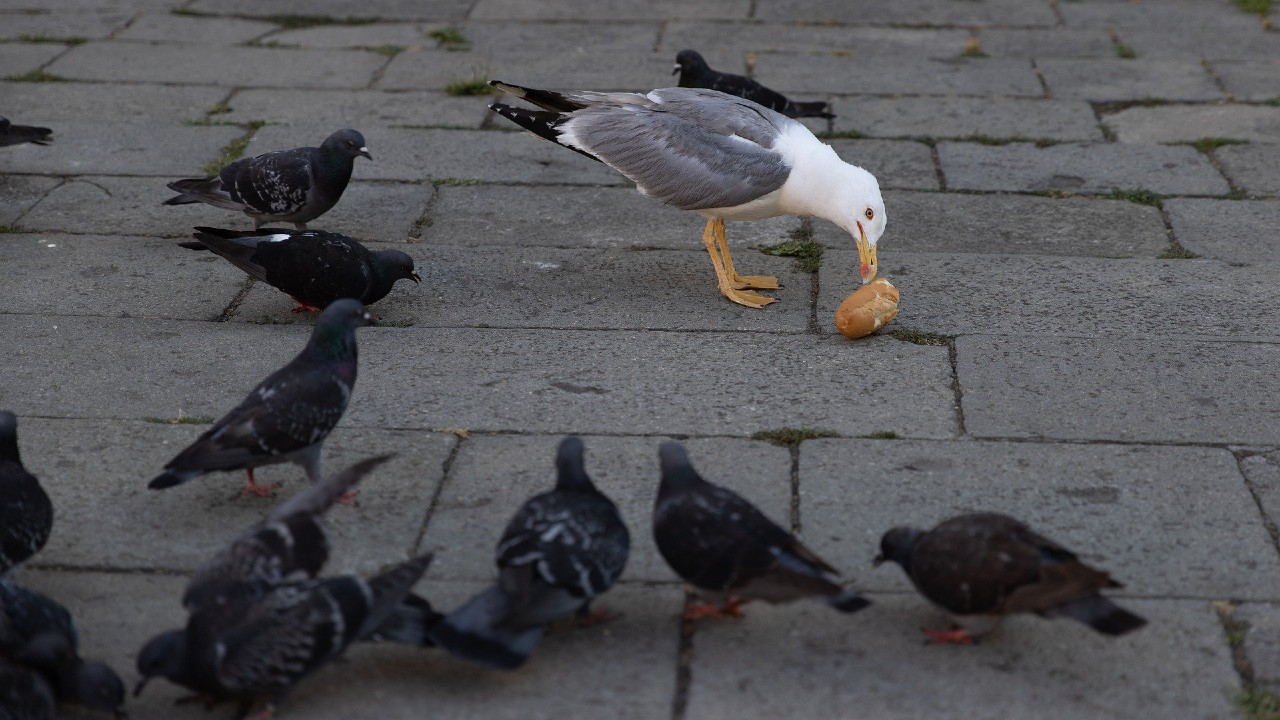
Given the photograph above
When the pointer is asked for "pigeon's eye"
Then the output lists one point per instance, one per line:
(871, 214)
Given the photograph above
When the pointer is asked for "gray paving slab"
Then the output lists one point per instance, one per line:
(1125, 508)
(578, 68)
(492, 476)
(896, 164)
(569, 288)
(764, 666)
(913, 12)
(20, 57)
(122, 206)
(340, 10)
(965, 294)
(58, 275)
(1261, 642)
(1117, 388)
(601, 35)
(1234, 231)
(1250, 79)
(96, 473)
(1046, 43)
(1256, 168)
(470, 155)
(608, 217)
(1078, 167)
(904, 72)
(115, 147)
(468, 377)
(357, 108)
(1180, 123)
(1003, 224)
(58, 102)
(1110, 79)
(610, 10)
(165, 27)
(960, 117)
(20, 193)
(1263, 473)
(1208, 16)
(409, 36)
(94, 23)
(239, 66)
(1246, 43)
(736, 38)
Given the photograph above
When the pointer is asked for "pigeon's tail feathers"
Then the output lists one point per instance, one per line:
(848, 601)
(193, 244)
(205, 190)
(170, 478)
(321, 496)
(237, 249)
(1100, 614)
(816, 109)
(475, 632)
(545, 99)
(389, 589)
(411, 623)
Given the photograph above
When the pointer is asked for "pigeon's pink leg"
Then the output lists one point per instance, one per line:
(732, 608)
(253, 488)
(595, 617)
(348, 497)
(955, 636)
(305, 307)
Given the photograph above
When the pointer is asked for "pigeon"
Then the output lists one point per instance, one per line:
(314, 267)
(11, 134)
(721, 544)
(38, 633)
(24, 694)
(255, 648)
(287, 417)
(562, 549)
(993, 565)
(695, 73)
(290, 544)
(26, 514)
(293, 186)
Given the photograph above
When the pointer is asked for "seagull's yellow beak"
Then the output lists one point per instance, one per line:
(866, 256)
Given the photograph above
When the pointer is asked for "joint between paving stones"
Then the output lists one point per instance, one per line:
(684, 664)
(1267, 522)
(957, 393)
(424, 221)
(1235, 634)
(230, 310)
(446, 471)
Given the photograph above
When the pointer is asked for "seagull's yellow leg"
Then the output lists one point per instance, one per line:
(754, 282)
(738, 295)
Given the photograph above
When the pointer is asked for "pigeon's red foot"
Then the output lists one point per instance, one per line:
(732, 608)
(348, 497)
(266, 713)
(595, 617)
(954, 636)
(253, 488)
(305, 307)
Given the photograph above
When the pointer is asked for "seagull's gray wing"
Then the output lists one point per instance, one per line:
(690, 148)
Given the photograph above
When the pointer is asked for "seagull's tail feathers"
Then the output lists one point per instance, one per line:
(816, 109)
(545, 99)
(542, 123)
(475, 632)
(1100, 614)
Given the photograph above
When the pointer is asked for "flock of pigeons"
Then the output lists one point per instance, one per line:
(260, 615)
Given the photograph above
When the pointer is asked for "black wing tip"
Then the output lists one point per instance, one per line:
(849, 602)
(1118, 622)
(164, 480)
(478, 649)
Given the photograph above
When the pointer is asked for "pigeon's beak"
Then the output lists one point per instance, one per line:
(675, 69)
(370, 318)
(415, 277)
(879, 560)
(365, 152)
(866, 256)
(137, 690)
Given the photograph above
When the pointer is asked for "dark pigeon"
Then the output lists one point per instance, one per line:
(39, 634)
(721, 544)
(293, 186)
(291, 544)
(24, 694)
(11, 134)
(287, 417)
(991, 564)
(562, 549)
(26, 515)
(695, 73)
(313, 266)
(253, 650)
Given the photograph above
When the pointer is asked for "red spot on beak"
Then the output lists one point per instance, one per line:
(864, 270)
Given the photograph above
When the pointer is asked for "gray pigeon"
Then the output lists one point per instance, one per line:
(695, 73)
(293, 186)
(24, 694)
(39, 634)
(988, 564)
(26, 515)
(11, 134)
(313, 266)
(721, 544)
(561, 550)
(287, 417)
(255, 648)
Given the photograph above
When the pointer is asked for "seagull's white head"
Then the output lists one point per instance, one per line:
(862, 216)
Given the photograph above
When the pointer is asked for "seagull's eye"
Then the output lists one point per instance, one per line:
(871, 214)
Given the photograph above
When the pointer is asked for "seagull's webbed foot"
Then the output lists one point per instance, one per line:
(754, 282)
(735, 290)
(953, 636)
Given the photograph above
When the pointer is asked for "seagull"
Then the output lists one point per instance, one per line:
(723, 157)
(696, 73)
(993, 565)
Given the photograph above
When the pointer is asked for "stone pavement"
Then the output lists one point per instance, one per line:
(1084, 204)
